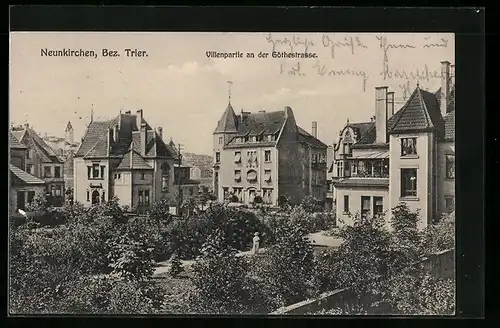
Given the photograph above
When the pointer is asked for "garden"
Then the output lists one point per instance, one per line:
(101, 260)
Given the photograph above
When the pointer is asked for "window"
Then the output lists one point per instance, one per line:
(346, 203)
(89, 172)
(226, 192)
(30, 153)
(220, 140)
(408, 146)
(217, 157)
(267, 196)
(164, 183)
(237, 175)
(378, 206)
(103, 196)
(118, 176)
(237, 156)
(340, 169)
(30, 168)
(88, 196)
(47, 172)
(252, 176)
(95, 171)
(141, 197)
(450, 203)
(267, 175)
(102, 171)
(56, 190)
(238, 192)
(450, 166)
(20, 200)
(146, 197)
(31, 196)
(57, 172)
(143, 176)
(252, 158)
(365, 206)
(267, 155)
(408, 182)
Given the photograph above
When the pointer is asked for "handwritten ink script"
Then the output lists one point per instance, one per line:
(352, 43)
(321, 69)
(302, 43)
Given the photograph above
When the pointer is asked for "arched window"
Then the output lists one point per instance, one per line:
(165, 176)
(95, 197)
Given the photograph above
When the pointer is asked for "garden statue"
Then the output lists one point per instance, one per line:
(256, 241)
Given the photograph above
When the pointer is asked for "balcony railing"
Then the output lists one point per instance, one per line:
(371, 174)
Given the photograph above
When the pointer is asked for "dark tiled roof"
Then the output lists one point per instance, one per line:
(227, 123)
(68, 165)
(95, 142)
(132, 160)
(363, 182)
(449, 126)
(421, 112)
(14, 143)
(19, 176)
(304, 136)
(40, 146)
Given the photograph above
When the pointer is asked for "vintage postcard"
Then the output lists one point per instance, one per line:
(232, 173)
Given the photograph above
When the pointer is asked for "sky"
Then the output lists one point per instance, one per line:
(182, 90)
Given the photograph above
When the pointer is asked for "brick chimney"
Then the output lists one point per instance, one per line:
(160, 132)
(445, 86)
(143, 138)
(390, 103)
(381, 114)
(139, 118)
(315, 129)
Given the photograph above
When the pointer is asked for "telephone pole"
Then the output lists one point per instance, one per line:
(179, 163)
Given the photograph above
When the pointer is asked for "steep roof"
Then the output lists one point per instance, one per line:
(449, 126)
(421, 112)
(19, 176)
(69, 127)
(304, 136)
(132, 160)
(47, 153)
(95, 143)
(227, 123)
(14, 143)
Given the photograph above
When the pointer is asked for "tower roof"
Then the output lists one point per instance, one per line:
(227, 123)
(68, 127)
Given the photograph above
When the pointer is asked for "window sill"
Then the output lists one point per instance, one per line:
(267, 161)
(449, 179)
(409, 198)
(409, 157)
(94, 179)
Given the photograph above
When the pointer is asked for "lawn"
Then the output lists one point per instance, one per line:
(177, 291)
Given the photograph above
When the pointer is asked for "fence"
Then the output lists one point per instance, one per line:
(441, 264)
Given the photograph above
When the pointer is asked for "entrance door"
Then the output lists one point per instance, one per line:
(95, 197)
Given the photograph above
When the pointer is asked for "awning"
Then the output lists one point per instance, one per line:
(372, 155)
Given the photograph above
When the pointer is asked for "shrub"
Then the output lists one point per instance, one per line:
(440, 236)
(258, 199)
(234, 199)
(160, 211)
(175, 267)
(311, 204)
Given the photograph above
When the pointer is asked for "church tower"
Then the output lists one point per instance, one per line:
(69, 133)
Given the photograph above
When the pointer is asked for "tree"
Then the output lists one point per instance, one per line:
(288, 265)
(219, 277)
(441, 236)
(160, 210)
(189, 203)
(311, 204)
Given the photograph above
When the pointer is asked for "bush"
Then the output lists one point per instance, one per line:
(258, 200)
(234, 199)
(440, 236)
(160, 211)
(311, 204)
(219, 278)
(175, 267)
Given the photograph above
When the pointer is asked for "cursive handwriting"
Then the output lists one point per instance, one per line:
(418, 74)
(322, 69)
(291, 43)
(442, 44)
(347, 42)
(294, 70)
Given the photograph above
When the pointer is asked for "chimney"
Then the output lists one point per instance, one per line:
(262, 111)
(128, 112)
(26, 125)
(390, 103)
(445, 86)
(116, 131)
(315, 129)
(139, 119)
(110, 141)
(160, 132)
(381, 114)
(143, 139)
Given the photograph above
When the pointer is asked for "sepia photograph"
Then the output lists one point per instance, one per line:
(217, 173)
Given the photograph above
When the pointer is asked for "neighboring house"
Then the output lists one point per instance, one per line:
(407, 156)
(23, 186)
(42, 162)
(189, 185)
(195, 173)
(266, 154)
(123, 157)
